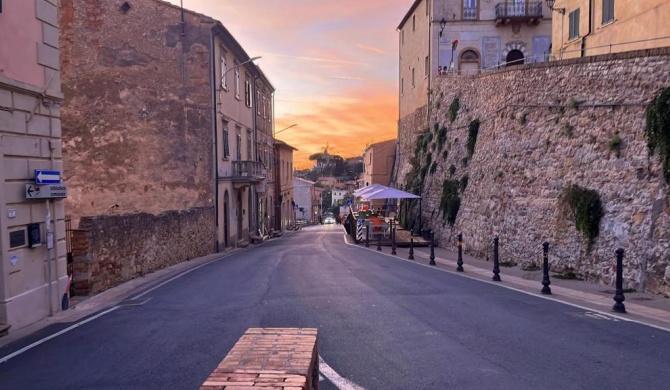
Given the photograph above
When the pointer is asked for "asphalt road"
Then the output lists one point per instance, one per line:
(383, 324)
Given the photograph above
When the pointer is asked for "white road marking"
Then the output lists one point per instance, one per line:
(335, 378)
(44, 340)
(513, 288)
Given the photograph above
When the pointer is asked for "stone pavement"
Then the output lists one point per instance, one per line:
(647, 308)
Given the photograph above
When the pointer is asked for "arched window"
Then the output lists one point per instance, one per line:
(469, 63)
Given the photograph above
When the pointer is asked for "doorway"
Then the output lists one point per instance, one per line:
(514, 57)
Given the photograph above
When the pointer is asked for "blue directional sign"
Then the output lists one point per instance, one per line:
(47, 177)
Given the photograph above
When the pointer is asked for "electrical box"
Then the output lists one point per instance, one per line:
(34, 235)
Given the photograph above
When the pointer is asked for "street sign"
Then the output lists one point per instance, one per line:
(45, 192)
(47, 177)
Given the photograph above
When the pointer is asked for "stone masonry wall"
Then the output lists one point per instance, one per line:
(544, 127)
(110, 250)
(137, 115)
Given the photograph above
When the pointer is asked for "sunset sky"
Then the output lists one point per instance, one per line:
(334, 64)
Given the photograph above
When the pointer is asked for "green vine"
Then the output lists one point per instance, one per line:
(587, 211)
(614, 145)
(441, 137)
(473, 131)
(453, 110)
(433, 167)
(450, 201)
(464, 182)
(452, 170)
(657, 128)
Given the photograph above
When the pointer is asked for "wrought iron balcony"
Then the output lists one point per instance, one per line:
(511, 11)
(248, 171)
(470, 13)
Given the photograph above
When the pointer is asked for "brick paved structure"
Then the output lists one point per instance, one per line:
(269, 358)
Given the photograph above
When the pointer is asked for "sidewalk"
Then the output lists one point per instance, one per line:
(647, 308)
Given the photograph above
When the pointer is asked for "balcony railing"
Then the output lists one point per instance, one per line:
(470, 13)
(518, 11)
(248, 170)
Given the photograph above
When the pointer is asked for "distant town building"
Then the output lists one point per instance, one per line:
(32, 236)
(304, 195)
(338, 196)
(378, 162)
(591, 27)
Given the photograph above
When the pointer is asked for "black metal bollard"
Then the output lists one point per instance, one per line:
(460, 253)
(411, 248)
(545, 269)
(619, 307)
(367, 235)
(379, 241)
(496, 264)
(392, 238)
(432, 248)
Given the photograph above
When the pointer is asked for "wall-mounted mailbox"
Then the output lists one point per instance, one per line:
(34, 235)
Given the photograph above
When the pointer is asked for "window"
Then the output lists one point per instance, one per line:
(237, 80)
(402, 85)
(258, 102)
(427, 67)
(608, 11)
(470, 9)
(249, 150)
(427, 7)
(413, 22)
(238, 144)
(402, 37)
(574, 24)
(224, 140)
(247, 91)
(224, 70)
(265, 107)
(413, 80)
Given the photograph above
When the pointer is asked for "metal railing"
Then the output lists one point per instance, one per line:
(514, 9)
(470, 13)
(250, 169)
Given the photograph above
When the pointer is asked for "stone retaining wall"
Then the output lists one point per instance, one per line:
(110, 250)
(544, 127)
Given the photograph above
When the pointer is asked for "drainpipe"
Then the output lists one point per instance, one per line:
(583, 51)
(215, 149)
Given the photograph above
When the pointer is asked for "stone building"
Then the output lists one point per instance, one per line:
(285, 210)
(32, 234)
(466, 37)
(591, 27)
(378, 162)
(167, 132)
(303, 191)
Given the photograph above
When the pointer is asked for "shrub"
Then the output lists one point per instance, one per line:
(657, 128)
(587, 210)
(450, 201)
(452, 113)
(473, 131)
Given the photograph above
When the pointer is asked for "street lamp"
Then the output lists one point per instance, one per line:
(443, 24)
(550, 4)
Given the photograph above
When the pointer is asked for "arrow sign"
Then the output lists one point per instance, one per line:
(47, 177)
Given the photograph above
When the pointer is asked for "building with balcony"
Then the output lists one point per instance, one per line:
(33, 274)
(167, 132)
(592, 27)
(466, 37)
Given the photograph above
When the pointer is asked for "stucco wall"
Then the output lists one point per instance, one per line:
(137, 119)
(544, 127)
(110, 250)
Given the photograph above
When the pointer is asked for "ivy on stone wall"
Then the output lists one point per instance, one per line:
(441, 137)
(473, 131)
(657, 128)
(450, 201)
(587, 211)
(452, 113)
